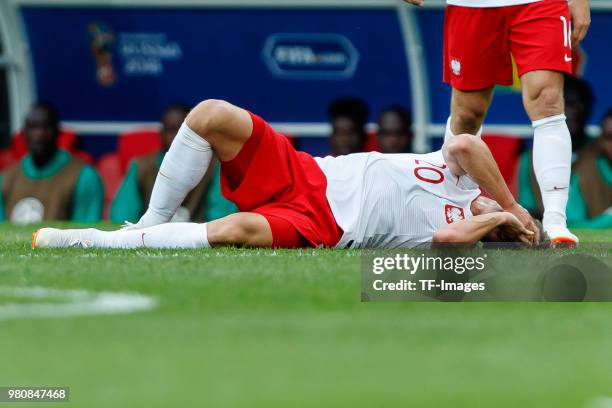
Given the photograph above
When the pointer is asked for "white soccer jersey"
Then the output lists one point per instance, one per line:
(394, 200)
(488, 3)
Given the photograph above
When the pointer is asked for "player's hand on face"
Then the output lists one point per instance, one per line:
(525, 218)
(514, 230)
(415, 2)
(581, 20)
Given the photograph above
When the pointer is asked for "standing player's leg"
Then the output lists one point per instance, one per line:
(212, 126)
(552, 147)
(468, 110)
(476, 57)
(540, 40)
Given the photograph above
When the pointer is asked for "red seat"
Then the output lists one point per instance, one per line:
(7, 158)
(506, 150)
(136, 143)
(109, 168)
(83, 155)
(66, 140)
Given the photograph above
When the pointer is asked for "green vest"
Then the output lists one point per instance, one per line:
(64, 189)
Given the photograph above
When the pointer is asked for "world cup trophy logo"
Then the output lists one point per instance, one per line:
(102, 40)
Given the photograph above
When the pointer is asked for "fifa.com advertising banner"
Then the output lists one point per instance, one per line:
(284, 64)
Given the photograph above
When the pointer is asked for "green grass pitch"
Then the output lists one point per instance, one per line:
(264, 328)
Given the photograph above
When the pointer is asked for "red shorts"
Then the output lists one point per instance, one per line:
(269, 177)
(479, 42)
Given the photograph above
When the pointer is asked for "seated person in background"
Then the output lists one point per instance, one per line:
(49, 183)
(349, 117)
(590, 199)
(204, 203)
(579, 102)
(395, 130)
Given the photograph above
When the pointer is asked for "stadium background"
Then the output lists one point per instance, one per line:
(189, 50)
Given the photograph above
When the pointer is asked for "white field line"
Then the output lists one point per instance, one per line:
(71, 302)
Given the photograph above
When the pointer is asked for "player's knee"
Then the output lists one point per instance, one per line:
(544, 101)
(471, 117)
(202, 118)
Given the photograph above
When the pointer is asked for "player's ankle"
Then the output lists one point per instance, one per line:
(553, 219)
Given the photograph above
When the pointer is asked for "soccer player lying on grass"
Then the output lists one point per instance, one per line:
(289, 199)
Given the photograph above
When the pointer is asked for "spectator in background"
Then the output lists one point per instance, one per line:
(349, 117)
(590, 199)
(204, 203)
(579, 101)
(49, 183)
(395, 130)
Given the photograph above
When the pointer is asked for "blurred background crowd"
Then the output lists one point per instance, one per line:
(335, 79)
(45, 175)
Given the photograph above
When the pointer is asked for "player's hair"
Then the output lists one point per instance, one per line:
(351, 107)
(403, 113)
(544, 238)
(504, 240)
(584, 91)
(49, 109)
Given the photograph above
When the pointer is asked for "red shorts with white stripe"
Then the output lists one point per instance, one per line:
(269, 177)
(479, 42)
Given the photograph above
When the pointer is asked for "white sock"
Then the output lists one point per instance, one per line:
(552, 157)
(170, 235)
(448, 133)
(182, 169)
